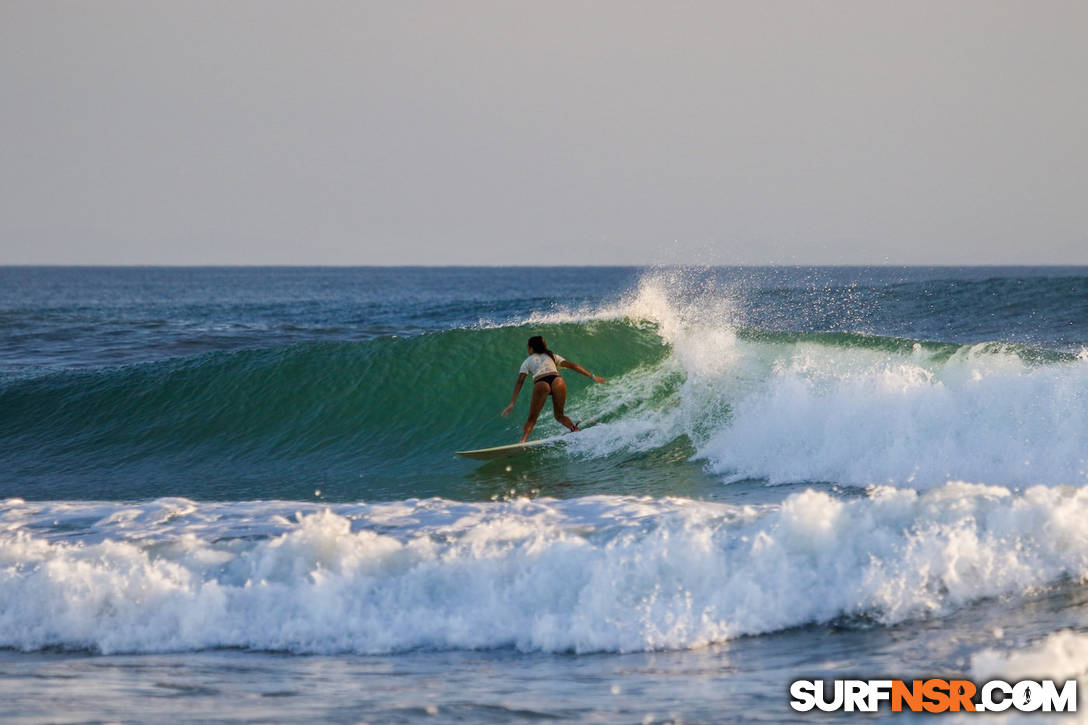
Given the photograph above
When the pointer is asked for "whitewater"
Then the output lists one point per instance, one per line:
(796, 472)
(594, 574)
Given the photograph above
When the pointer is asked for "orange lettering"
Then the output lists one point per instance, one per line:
(936, 691)
(961, 692)
(911, 695)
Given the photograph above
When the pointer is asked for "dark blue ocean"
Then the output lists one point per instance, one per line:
(230, 494)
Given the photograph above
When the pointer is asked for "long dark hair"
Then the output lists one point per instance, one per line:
(539, 347)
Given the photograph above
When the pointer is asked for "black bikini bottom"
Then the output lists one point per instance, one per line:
(546, 379)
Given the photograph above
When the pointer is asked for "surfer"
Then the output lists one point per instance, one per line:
(543, 365)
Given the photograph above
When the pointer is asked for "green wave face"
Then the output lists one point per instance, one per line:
(366, 419)
(688, 404)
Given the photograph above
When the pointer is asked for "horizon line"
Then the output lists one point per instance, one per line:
(96, 265)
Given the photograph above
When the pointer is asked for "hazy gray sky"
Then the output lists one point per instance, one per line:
(451, 132)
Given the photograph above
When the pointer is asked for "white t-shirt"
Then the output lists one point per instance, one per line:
(539, 364)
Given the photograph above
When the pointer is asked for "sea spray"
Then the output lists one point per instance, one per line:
(600, 573)
(378, 419)
(846, 408)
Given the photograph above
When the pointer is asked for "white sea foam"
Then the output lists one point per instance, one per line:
(600, 573)
(805, 410)
(1061, 655)
(862, 417)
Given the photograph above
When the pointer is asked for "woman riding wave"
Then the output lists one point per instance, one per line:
(543, 365)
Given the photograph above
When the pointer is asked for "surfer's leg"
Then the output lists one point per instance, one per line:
(559, 399)
(540, 394)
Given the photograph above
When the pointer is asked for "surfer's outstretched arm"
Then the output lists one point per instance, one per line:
(579, 369)
(513, 398)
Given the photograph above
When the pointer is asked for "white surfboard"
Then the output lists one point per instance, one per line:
(515, 449)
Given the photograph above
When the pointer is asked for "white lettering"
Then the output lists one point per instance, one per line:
(879, 690)
(992, 705)
(855, 696)
(803, 693)
(1027, 696)
(1064, 701)
(835, 703)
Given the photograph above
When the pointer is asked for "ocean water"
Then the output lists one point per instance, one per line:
(231, 494)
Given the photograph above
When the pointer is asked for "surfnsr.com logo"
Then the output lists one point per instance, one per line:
(933, 695)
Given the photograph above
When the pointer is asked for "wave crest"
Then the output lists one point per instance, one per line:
(593, 574)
